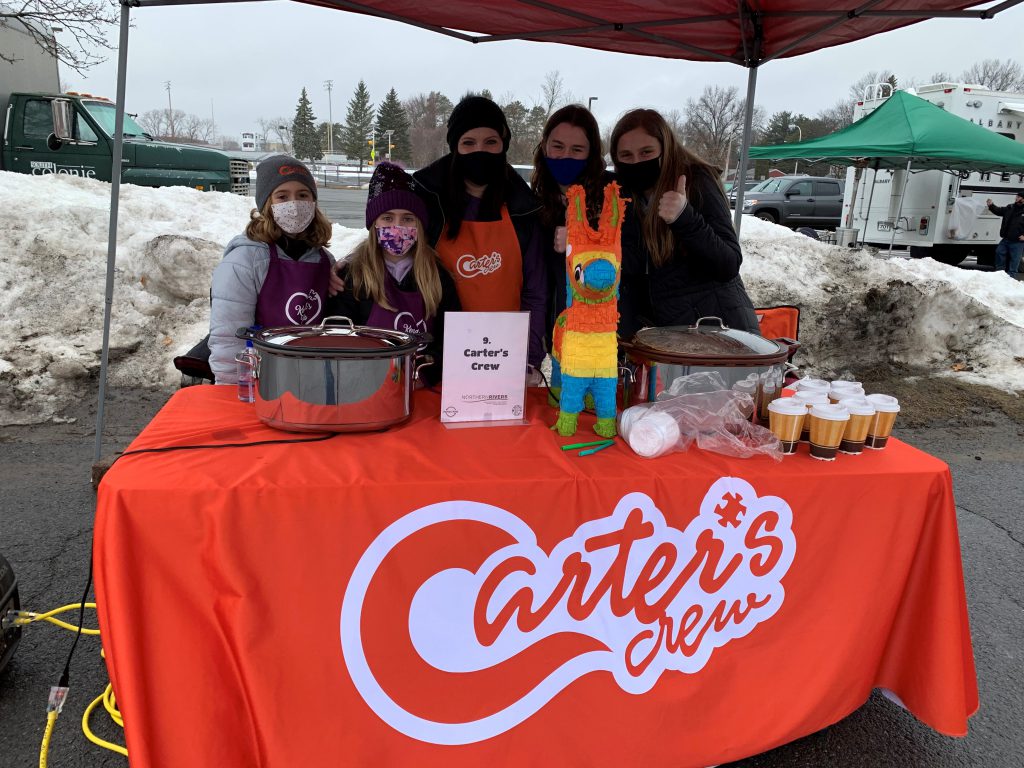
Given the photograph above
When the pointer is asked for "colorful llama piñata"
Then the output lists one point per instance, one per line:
(585, 346)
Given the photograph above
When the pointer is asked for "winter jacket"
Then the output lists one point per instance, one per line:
(358, 311)
(1013, 220)
(237, 281)
(523, 209)
(702, 277)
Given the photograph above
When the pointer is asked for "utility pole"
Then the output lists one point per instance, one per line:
(329, 86)
(170, 109)
(389, 133)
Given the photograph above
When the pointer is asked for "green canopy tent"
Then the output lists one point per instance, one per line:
(906, 132)
(907, 128)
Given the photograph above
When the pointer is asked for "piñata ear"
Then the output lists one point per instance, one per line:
(612, 213)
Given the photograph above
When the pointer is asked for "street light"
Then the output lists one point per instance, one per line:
(799, 138)
(590, 103)
(329, 85)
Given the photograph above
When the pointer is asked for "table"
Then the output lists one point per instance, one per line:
(427, 596)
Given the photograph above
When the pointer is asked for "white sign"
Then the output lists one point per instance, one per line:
(484, 366)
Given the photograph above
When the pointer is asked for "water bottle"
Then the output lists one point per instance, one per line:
(245, 360)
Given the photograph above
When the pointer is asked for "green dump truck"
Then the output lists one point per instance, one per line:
(45, 131)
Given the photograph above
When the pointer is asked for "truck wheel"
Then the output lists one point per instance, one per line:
(767, 216)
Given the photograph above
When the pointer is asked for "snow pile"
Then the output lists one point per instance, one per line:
(857, 310)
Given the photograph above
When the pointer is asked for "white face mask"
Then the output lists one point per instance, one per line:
(294, 216)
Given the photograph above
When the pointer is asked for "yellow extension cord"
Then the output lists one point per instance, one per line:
(24, 618)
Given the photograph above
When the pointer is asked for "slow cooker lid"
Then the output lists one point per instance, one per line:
(708, 340)
(347, 338)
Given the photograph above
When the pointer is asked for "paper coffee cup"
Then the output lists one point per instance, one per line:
(769, 393)
(862, 413)
(840, 390)
(815, 385)
(827, 425)
(809, 398)
(886, 408)
(786, 417)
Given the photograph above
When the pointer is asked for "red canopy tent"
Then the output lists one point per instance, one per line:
(744, 32)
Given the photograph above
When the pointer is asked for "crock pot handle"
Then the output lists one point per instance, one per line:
(791, 345)
(421, 362)
(351, 325)
(719, 320)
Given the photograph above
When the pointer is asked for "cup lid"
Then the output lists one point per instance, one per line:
(857, 406)
(885, 403)
(804, 385)
(810, 396)
(787, 405)
(830, 412)
(844, 383)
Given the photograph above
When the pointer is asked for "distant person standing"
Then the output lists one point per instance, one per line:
(1011, 246)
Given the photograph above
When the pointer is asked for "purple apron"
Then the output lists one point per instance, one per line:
(294, 291)
(409, 315)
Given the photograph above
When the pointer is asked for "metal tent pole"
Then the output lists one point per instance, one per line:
(899, 211)
(115, 192)
(871, 194)
(741, 170)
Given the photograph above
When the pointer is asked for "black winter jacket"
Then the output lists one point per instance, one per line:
(701, 279)
(1013, 220)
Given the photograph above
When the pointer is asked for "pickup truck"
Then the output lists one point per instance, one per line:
(797, 201)
(72, 133)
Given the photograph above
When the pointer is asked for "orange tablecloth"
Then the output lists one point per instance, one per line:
(476, 597)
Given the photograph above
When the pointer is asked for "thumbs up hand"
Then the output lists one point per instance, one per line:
(673, 202)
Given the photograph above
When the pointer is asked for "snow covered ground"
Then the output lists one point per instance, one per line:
(858, 310)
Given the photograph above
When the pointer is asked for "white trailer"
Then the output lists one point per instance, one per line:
(935, 213)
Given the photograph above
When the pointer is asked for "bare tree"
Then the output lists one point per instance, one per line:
(276, 130)
(996, 75)
(428, 124)
(714, 123)
(553, 93)
(85, 21)
(178, 126)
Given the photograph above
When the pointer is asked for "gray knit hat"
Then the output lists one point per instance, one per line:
(274, 171)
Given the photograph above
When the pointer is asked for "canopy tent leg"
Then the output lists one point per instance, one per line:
(115, 193)
(899, 211)
(867, 213)
(741, 170)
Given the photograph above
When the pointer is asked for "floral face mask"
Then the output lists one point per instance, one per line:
(396, 240)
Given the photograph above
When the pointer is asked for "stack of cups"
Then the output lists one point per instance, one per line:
(886, 408)
(862, 414)
(841, 390)
(786, 417)
(814, 385)
(827, 424)
(809, 397)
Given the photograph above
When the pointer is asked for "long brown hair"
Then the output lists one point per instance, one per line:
(366, 270)
(264, 229)
(544, 185)
(676, 160)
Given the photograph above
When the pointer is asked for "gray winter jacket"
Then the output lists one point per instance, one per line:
(237, 281)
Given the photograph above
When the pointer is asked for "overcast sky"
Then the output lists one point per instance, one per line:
(244, 61)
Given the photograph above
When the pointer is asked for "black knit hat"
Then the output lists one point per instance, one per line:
(390, 188)
(476, 112)
(274, 171)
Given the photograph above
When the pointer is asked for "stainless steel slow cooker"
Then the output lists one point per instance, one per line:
(333, 377)
(656, 357)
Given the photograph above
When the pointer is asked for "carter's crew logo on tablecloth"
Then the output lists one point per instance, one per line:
(472, 266)
(654, 598)
(303, 308)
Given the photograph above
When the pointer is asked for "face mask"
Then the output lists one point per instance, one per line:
(396, 240)
(565, 169)
(294, 216)
(639, 176)
(481, 167)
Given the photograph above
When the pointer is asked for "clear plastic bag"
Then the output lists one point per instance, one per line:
(698, 408)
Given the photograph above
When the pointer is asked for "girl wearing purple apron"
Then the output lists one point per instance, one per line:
(394, 280)
(278, 272)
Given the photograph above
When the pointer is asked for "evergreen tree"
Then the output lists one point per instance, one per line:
(305, 138)
(391, 116)
(359, 125)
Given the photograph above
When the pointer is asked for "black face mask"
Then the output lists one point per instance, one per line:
(639, 176)
(481, 167)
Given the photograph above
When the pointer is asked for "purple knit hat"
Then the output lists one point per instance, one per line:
(390, 188)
